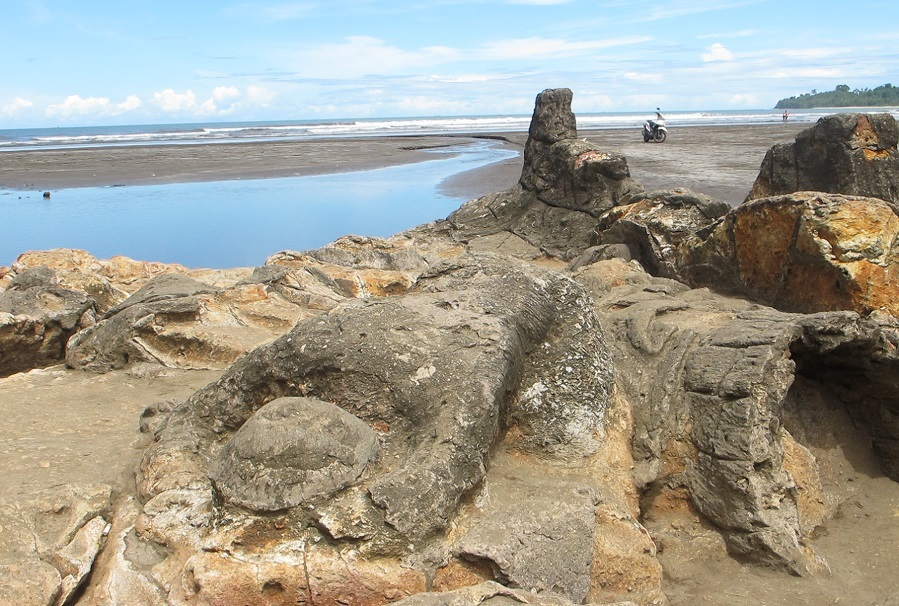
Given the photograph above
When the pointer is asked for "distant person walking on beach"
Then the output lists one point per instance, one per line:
(786, 116)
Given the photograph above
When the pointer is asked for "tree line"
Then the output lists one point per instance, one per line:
(841, 96)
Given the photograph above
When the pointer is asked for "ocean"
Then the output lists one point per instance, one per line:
(240, 223)
(285, 130)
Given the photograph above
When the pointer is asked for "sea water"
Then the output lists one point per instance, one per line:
(288, 130)
(236, 223)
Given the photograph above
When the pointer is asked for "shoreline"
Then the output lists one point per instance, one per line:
(719, 161)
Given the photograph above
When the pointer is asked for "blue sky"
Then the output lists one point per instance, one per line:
(89, 62)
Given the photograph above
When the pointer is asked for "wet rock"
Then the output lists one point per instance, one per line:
(853, 154)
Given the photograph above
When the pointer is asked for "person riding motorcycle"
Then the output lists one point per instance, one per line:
(651, 128)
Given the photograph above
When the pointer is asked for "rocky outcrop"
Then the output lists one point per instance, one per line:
(565, 185)
(804, 252)
(708, 377)
(650, 227)
(37, 317)
(853, 154)
(526, 354)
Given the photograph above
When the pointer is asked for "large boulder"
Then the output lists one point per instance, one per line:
(37, 318)
(481, 350)
(803, 252)
(565, 184)
(852, 154)
(650, 226)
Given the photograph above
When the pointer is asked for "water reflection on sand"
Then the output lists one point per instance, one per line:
(235, 223)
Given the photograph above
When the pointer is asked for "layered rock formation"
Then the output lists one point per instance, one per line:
(511, 405)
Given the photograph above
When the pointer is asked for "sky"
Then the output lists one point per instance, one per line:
(100, 62)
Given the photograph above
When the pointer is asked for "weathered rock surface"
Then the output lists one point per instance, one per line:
(853, 154)
(488, 593)
(804, 252)
(37, 317)
(48, 544)
(652, 225)
(292, 452)
(708, 377)
(566, 183)
(526, 353)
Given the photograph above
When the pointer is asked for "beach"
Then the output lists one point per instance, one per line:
(720, 161)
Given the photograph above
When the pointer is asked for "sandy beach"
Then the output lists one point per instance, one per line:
(721, 161)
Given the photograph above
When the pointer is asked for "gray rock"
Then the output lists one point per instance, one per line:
(565, 184)
(37, 318)
(652, 225)
(851, 154)
(715, 372)
(537, 535)
(291, 452)
(440, 370)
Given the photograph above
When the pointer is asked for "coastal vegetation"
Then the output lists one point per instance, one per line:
(841, 96)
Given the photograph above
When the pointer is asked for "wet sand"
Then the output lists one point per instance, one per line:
(720, 161)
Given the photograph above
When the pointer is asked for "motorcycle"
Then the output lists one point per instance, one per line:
(654, 130)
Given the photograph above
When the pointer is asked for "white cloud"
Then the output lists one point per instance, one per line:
(170, 101)
(717, 52)
(551, 47)
(538, 2)
(75, 105)
(17, 105)
(744, 100)
(224, 93)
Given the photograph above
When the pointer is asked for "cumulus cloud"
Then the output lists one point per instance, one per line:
(77, 106)
(15, 106)
(717, 52)
(170, 101)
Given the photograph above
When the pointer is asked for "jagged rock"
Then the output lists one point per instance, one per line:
(709, 376)
(405, 365)
(802, 252)
(566, 183)
(652, 225)
(291, 452)
(37, 317)
(853, 154)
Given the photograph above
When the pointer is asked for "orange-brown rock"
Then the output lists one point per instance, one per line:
(803, 252)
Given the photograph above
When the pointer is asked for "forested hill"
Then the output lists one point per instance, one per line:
(841, 96)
